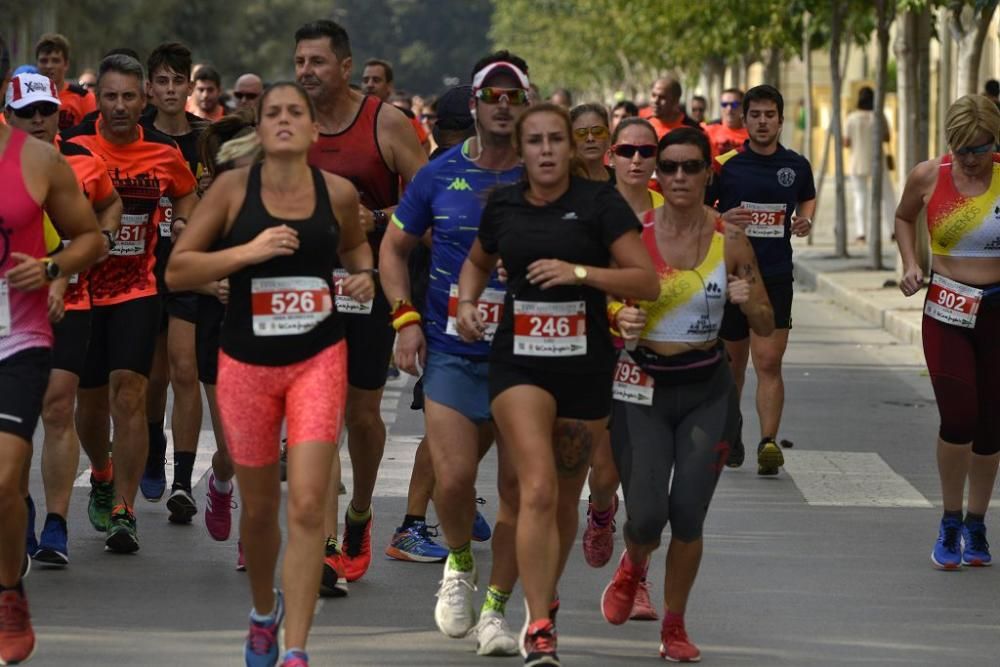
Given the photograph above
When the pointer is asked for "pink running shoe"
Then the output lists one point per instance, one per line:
(218, 512)
(675, 645)
(241, 565)
(642, 608)
(619, 595)
(599, 541)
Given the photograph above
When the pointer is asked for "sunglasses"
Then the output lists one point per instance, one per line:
(44, 108)
(493, 95)
(597, 131)
(731, 105)
(645, 151)
(689, 167)
(975, 150)
(246, 96)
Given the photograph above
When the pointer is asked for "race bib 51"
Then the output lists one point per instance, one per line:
(767, 220)
(490, 306)
(550, 329)
(131, 239)
(289, 306)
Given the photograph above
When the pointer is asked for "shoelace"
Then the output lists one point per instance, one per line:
(451, 589)
(262, 638)
(951, 537)
(104, 493)
(494, 620)
(541, 641)
(222, 496)
(428, 531)
(977, 537)
(14, 614)
(357, 537)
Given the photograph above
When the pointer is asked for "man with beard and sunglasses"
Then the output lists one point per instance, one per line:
(373, 145)
(768, 191)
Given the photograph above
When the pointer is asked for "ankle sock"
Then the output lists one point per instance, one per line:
(974, 518)
(105, 475)
(949, 514)
(55, 518)
(461, 559)
(496, 600)
(356, 516)
(411, 519)
(183, 467)
(220, 486)
(672, 618)
(603, 518)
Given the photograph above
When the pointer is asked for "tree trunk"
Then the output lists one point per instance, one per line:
(773, 72)
(923, 42)
(969, 26)
(836, 29)
(945, 78)
(807, 127)
(886, 11)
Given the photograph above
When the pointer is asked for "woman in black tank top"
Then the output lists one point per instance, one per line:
(281, 225)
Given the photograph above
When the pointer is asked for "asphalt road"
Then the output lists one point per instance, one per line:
(826, 564)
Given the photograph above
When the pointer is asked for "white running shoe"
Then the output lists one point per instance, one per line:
(494, 636)
(454, 612)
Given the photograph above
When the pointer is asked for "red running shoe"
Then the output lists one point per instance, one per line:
(675, 645)
(17, 638)
(357, 548)
(599, 541)
(540, 644)
(642, 608)
(619, 595)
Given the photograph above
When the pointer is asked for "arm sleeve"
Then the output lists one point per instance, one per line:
(414, 214)
(614, 216)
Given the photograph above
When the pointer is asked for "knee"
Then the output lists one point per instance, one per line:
(687, 521)
(306, 508)
(57, 413)
(539, 496)
(259, 511)
(455, 484)
(184, 373)
(645, 527)
(363, 417)
(768, 365)
(128, 396)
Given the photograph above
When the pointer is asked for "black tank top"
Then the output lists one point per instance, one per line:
(280, 312)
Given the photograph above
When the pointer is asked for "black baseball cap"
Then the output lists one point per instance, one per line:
(452, 109)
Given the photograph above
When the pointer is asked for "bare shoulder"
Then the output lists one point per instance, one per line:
(342, 192)
(391, 119)
(925, 174)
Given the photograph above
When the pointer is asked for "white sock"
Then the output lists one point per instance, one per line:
(222, 487)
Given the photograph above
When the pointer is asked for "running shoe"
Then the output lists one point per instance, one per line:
(523, 635)
(599, 541)
(53, 547)
(454, 612)
(357, 547)
(642, 608)
(102, 497)
(493, 635)
(334, 583)
(769, 457)
(154, 478)
(481, 531)
(540, 644)
(31, 542)
(295, 659)
(17, 638)
(415, 544)
(737, 453)
(241, 564)
(977, 550)
(181, 505)
(122, 536)
(675, 645)
(218, 511)
(619, 595)
(947, 553)
(25, 565)
(283, 460)
(261, 648)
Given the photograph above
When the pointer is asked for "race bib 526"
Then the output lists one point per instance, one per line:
(289, 306)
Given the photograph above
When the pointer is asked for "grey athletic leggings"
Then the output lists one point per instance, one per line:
(686, 433)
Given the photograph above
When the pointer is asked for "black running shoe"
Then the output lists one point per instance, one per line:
(122, 536)
(181, 505)
(737, 453)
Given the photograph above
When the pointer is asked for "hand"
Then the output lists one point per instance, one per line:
(204, 182)
(801, 225)
(469, 322)
(56, 306)
(501, 272)
(738, 289)
(630, 321)
(28, 273)
(548, 273)
(222, 290)
(411, 349)
(176, 227)
(741, 217)
(361, 288)
(272, 242)
(913, 280)
(105, 248)
(366, 218)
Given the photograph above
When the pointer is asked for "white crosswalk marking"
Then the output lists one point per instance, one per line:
(202, 462)
(850, 479)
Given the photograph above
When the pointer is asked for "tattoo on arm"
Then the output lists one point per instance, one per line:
(749, 273)
(573, 444)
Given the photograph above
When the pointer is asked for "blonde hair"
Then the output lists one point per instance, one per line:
(968, 116)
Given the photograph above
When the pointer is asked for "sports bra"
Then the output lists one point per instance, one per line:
(691, 301)
(963, 226)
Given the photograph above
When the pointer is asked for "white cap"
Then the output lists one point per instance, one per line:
(494, 68)
(28, 89)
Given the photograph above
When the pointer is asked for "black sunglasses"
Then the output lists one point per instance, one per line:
(246, 96)
(689, 167)
(44, 108)
(645, 151)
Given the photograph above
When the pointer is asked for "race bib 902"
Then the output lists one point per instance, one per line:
(952, 302)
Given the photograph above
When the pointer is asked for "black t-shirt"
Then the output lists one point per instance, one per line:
(579, 228)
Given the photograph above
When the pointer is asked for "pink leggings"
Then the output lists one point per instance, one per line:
(254, 399)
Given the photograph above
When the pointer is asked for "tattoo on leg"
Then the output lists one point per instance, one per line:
(573, 444)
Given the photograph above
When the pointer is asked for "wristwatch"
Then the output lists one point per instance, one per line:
(111, 239)
(581, 274)
(380, 218)
(52, 270)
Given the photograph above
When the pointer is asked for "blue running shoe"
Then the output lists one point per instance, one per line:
(481, 530)
(30, 541)
(415, 544)
(154, 481)
(947, 553)
(261, 649)
(977, 550)
(52, 548)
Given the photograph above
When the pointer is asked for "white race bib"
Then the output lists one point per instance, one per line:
(490, 306)
(952, 302)
(631, 384)
(544, 329)
(167, 207)
(5, 324)
(131, 239)
(346, 304)
(768, 220)
(289, 306)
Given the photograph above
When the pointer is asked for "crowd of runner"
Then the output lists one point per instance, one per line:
(584, 287)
